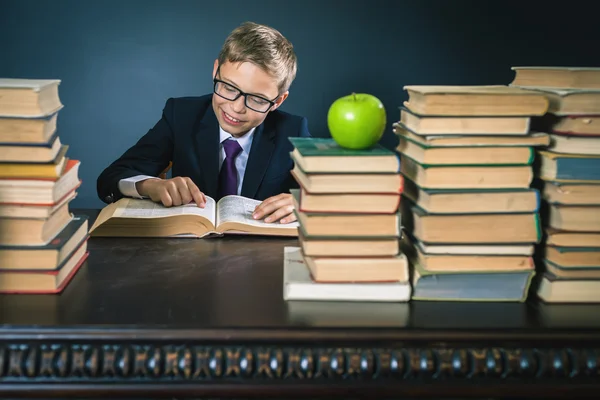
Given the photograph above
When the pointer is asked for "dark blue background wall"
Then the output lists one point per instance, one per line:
(120, 60)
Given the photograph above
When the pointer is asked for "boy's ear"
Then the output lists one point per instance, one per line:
(280, 99)
(215, 66)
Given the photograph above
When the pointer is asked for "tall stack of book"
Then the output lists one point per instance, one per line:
(349, 225)
(569, 170)
(470, 214)
(42, 244)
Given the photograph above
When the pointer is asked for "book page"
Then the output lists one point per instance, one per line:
(145, 208)
(35, 84)
(240, 209)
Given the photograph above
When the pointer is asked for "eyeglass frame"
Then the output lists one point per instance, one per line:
(241, 93)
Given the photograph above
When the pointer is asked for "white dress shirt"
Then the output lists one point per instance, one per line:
(127, 186)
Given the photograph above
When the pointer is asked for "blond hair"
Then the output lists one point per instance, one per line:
(265, 47)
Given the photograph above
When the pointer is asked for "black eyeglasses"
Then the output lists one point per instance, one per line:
(231, 93)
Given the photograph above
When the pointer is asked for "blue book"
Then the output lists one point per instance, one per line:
(560, 167)
(491, 286)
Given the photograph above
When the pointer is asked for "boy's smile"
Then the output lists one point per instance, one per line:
(230, 120)
(234, 116)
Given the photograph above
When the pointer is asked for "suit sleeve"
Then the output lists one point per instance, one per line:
(303, 132)
(149, 156)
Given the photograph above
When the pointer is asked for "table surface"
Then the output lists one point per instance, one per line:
(235, 282)
(144, 315)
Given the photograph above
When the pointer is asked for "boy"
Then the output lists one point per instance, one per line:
(233, 141)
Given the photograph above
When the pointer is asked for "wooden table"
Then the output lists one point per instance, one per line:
(206, 318)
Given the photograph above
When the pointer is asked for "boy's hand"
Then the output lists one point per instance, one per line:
(171, 192)
(277, 208)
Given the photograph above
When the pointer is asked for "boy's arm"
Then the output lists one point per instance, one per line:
(147, 158)
(280, 207)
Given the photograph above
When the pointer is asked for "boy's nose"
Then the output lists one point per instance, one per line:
(239, 105)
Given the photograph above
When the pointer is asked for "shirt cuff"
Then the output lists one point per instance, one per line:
(127, 185)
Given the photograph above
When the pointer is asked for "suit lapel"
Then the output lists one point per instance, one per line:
(207, 146)
(259, 159)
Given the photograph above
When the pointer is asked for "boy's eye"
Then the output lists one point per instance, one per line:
(258, 101)
(230, 88)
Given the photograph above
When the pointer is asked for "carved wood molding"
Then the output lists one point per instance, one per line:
(123, 363)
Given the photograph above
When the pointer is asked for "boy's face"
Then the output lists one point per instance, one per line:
(234, 116)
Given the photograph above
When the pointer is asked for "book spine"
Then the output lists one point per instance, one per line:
(531, 156)
(528, 283)
(587, 169)
(538, 227)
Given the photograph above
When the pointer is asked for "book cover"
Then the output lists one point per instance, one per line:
(314, 147)
(490, 286)
(33, 84)
(569, 167)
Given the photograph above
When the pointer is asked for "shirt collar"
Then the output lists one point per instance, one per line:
(245, 141)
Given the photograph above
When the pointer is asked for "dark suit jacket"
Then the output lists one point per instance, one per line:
(188, 136)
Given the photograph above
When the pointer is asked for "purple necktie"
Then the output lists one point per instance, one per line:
(228, 181)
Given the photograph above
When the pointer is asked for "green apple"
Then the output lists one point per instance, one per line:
(356, 121)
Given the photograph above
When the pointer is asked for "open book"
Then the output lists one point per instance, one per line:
(144, 218)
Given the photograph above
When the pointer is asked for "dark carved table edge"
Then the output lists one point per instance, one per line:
(103, 361)
(329, 390)
(539, 336)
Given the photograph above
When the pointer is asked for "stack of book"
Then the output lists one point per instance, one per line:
(470, 214)
(349, 225)
(569, 170)
(42, 244)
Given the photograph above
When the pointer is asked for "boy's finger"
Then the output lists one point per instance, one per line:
(197, 195)
(280, 213)
(290, 218)
(271, 207)
(268, 201)
(263, 210)
(165, 199)
(174, 193)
